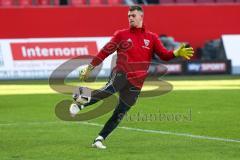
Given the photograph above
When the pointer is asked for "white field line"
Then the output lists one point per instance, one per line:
(130, 129)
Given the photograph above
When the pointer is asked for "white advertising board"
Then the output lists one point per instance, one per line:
(36, 58)
(232, 48)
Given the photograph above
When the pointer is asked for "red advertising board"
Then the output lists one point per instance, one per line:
(52, 50)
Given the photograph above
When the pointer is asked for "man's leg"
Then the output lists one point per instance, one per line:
(115, 119)
(97, 95)
(116, 82)
(127, 98)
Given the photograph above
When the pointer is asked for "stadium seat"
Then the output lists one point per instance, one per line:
(43, 2)
(166, 1)
(6, 3)
(55, 2)
(184, 1)
(96, 2)
(77, 2)
(25, 2)
(205, 1)
(114, 2)
(225, 1)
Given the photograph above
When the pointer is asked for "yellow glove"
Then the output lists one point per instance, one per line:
(84, 73)
(184, 52)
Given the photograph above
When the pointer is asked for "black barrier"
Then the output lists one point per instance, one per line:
(208, 67)
(196, 67)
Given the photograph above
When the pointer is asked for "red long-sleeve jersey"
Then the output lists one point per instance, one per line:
(135, 48)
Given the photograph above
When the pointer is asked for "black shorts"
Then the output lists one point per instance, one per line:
(118, 82)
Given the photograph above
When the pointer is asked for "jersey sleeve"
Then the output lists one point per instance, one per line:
(161, 51)
(107, 50)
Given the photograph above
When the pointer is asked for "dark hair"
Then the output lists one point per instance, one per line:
(135, 7)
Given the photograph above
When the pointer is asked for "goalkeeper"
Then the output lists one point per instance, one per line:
(135, 47)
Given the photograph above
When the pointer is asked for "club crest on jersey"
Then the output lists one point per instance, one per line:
(129, 40)
(146, 42)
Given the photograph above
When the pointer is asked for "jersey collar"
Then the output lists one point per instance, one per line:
(135, 30)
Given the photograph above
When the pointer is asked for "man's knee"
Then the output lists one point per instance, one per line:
(120, 111)
(120, 116)
(129, 95)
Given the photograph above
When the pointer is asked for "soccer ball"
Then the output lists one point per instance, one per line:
(81, 99)
(79, 96)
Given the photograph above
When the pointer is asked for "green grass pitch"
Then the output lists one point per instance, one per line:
(29, 129)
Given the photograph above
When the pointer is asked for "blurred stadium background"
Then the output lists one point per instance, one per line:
(200, 115)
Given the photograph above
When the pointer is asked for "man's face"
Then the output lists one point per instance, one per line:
(135, 18)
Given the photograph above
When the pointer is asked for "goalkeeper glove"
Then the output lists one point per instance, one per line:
(184, 52)
(84, 73)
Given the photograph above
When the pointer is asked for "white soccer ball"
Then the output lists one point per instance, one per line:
(82, 99)
(81, 95)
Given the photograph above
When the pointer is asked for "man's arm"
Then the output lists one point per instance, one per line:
(108, 49)
(166, 55)
(161, 51)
